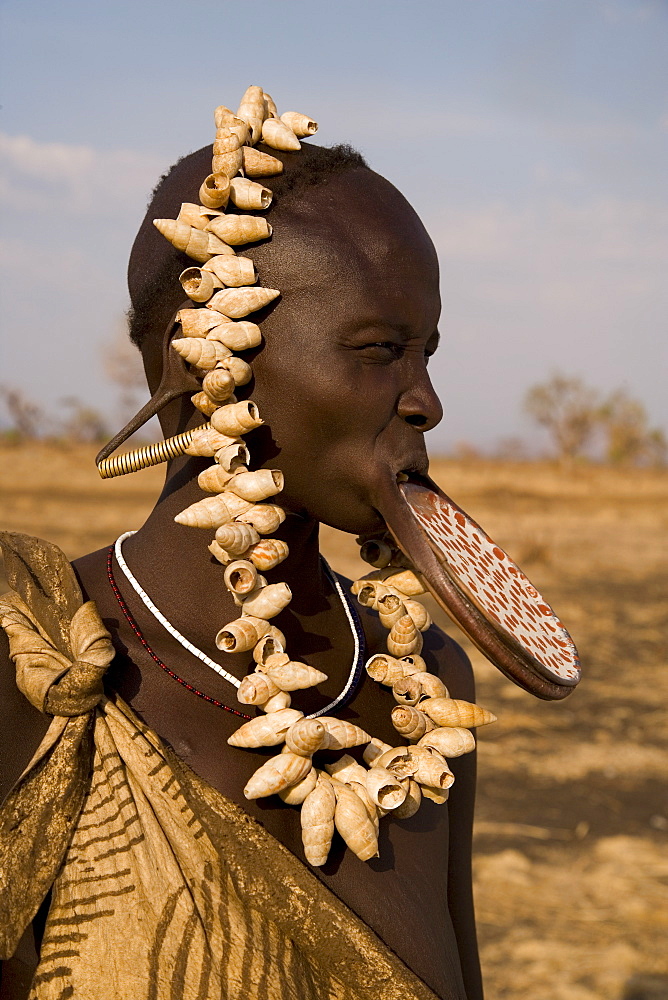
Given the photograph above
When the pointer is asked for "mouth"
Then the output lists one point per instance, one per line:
(416, 469)
(419, 477)
(478, 584)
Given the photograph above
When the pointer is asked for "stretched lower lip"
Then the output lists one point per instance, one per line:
(416, 543)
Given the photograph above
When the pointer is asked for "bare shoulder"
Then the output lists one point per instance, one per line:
(447, 659)
(22, 727)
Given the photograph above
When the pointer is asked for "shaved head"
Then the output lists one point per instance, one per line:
(155, 265)
(341, 375)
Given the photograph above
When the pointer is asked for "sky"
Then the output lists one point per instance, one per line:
(530, 135)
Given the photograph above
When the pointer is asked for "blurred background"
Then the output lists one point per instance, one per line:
(531, 138)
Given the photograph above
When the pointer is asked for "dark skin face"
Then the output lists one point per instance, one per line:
(347, 348)
(342, 383)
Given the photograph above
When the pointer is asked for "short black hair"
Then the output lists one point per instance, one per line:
(155, 264)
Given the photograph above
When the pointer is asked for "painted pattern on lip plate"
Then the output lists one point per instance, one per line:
(494, 583)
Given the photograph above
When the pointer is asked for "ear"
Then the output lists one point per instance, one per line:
(176, 380)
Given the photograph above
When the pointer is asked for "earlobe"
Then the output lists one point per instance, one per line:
(175, 381)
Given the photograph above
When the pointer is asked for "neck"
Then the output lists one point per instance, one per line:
(173, 564)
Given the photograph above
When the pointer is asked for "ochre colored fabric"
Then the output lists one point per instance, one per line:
(161, 887)
(50, 681)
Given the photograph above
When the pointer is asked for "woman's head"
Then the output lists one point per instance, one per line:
(341, 377)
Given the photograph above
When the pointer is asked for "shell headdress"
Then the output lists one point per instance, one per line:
(241, 514)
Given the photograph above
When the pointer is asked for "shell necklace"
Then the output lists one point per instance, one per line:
(346, 795)
(359, 641)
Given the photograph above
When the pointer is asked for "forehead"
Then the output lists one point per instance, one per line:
(352, 247)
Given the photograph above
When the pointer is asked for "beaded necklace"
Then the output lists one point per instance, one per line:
(163, 666)
(359, 639)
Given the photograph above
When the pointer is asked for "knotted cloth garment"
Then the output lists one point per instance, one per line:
(161, 887)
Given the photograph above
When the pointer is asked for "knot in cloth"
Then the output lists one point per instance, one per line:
(53, 682)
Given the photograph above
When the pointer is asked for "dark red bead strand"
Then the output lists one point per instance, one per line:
(163, 666)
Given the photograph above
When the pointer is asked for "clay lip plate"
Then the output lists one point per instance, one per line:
(486, 575)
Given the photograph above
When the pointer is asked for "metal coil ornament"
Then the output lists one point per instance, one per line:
(144, 458)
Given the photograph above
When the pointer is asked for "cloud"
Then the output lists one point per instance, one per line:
(79, 180)
(553, 275)
(551, 284)
(556, 232)
(618, 12)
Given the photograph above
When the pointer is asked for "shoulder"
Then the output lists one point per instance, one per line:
(22, 727)
(93, 565)
(447, 659)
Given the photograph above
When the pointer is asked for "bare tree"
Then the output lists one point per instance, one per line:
(512, 449)
(568, 410)
(465, 451)
(629, 440)
(84, 424)
(26, 417)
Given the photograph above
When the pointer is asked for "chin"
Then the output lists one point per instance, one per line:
(345, 502)
(354, 523)
(346, 510)
(350, 516)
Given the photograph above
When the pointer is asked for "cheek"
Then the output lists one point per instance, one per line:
(325, 417)
(318, 400)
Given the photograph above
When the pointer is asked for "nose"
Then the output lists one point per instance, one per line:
(420, 406)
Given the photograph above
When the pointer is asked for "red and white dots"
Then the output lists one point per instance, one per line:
(494, 583)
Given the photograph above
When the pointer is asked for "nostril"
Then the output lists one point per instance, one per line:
(416, 419)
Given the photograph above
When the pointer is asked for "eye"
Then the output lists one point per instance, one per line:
(382, 351)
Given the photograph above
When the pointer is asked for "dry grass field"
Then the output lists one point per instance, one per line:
(571, 861)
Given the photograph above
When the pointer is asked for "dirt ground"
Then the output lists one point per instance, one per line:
(571, 865)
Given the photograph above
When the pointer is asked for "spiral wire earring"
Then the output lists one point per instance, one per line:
(176, 381)
(144, 458)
